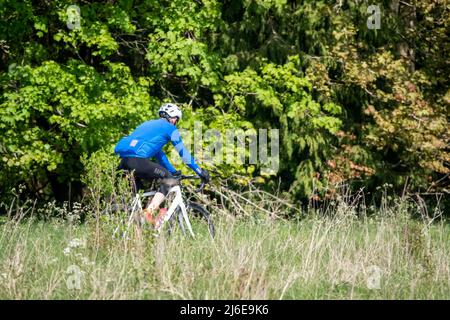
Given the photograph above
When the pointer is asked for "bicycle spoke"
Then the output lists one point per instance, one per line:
(201, 220)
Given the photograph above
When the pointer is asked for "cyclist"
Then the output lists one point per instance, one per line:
(146, 142)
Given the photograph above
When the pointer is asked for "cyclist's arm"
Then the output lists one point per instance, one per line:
(164, 161)
(188, 159)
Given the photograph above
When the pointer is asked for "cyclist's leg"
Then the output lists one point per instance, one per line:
(166, 185)
(149, 171)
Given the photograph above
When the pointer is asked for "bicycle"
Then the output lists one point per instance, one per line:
(179, 210)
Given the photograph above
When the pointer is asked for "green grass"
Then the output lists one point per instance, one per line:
(387, 257)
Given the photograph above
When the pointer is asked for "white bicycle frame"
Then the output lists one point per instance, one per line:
(176, 203)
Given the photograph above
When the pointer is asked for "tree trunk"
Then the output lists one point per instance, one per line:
(406, 13)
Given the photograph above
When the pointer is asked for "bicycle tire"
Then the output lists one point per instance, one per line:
(171, 224)
(201, 218)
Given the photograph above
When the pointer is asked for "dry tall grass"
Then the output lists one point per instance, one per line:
(337, 253)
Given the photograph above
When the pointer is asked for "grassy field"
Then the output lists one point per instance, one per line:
(388, 256)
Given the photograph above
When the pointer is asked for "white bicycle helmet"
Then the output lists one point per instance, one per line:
(170, 110)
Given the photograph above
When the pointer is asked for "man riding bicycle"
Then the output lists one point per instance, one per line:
(146, 142)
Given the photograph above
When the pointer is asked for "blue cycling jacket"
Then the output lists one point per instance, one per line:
(147, 141)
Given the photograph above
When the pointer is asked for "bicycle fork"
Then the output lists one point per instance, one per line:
(178, 202)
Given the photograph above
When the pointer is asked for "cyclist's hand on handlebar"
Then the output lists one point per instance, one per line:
(177, 173)
(204, 175)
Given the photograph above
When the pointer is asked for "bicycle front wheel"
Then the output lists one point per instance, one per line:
(201, 219)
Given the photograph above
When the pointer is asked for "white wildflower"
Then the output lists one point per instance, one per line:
(75, 243)
(66, 251)
(85, 261)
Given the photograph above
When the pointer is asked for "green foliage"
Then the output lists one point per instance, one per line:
(352, 104)
(178, 46)
(213, 119)
(53, 114)
(280, 96)
(401, 123)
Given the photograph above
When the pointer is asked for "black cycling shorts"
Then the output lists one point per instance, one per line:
(146, 170)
